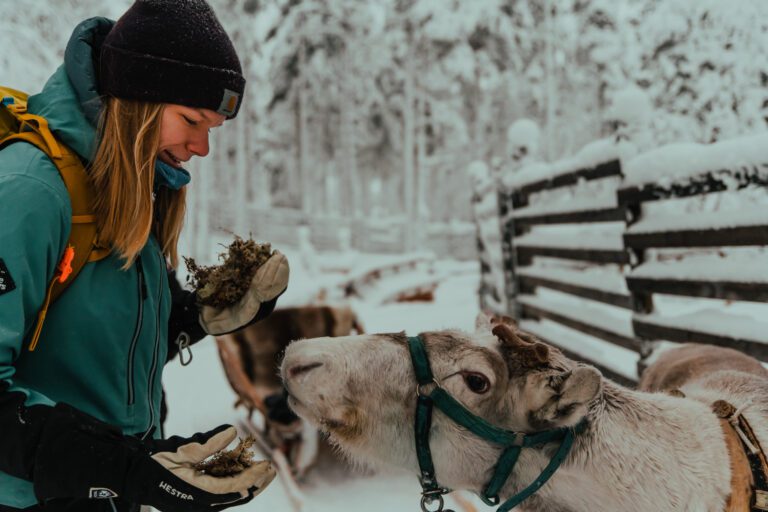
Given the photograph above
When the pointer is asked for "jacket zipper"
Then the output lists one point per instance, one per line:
(137, 330)
(153, 367)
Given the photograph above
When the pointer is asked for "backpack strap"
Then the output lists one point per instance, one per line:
(82, 246)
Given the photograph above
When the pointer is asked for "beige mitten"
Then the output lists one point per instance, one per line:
(269, 281)
(182, 461)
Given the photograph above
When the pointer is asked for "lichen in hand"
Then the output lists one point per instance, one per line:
(223, 285)
(229, 463)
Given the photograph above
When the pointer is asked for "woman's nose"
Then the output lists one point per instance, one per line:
(199, 146)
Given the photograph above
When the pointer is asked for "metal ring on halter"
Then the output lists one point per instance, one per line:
(428, 498)
(419, 386)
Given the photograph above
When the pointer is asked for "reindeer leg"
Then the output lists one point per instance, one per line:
(295, 496)
(307, 450)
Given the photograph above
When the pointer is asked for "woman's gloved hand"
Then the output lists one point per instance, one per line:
(267, 284)
(81, 457)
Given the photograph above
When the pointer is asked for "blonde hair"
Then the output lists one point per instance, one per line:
(123, 174)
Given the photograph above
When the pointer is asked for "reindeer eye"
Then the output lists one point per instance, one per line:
(476, 382)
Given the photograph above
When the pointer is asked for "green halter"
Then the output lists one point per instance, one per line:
(513, 442)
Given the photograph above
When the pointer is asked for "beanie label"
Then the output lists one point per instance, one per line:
(229, 103)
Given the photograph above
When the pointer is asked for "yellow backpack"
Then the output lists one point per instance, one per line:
(16, 124)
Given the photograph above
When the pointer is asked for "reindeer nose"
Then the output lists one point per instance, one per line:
(299, 369)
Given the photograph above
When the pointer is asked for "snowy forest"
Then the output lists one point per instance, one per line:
(372, 110)
(596, 169)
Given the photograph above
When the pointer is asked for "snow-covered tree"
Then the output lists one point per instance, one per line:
(33, 36)
(706, 61)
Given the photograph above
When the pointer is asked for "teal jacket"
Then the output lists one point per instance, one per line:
(104, 341)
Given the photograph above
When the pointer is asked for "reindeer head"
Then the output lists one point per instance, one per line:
(362, 391)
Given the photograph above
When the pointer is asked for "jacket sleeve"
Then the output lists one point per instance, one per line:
(33, 230)
(184, 316)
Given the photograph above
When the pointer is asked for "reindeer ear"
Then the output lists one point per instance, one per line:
(483, 322)
(572, 391)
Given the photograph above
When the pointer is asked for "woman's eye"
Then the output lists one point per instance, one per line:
(191, 122)
(476, 382)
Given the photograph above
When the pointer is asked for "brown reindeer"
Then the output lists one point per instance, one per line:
(681, 365)
(634, 451)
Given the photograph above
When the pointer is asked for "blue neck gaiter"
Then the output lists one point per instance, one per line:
(170, 177)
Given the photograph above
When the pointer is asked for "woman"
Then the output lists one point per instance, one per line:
(80, 415)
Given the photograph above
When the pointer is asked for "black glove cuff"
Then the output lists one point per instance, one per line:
(184, 309)
(20, 429)
(81, 457)
(185, 317)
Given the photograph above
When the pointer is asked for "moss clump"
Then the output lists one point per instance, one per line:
(223, 285)
(228, 463)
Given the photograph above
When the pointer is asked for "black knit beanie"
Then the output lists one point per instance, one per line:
(172, 51)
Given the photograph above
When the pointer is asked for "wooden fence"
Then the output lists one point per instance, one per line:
(720, 276)
(584, 251)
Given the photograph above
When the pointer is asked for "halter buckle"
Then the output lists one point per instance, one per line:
(419, 386)
(519, 439)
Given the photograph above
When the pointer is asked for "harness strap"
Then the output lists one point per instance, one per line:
(546, 474)
(82, 243)
(749, 467)
(512, 441)
(478, 426)
(423, 451)
(741, 481)
(39, 125)
(501, 474)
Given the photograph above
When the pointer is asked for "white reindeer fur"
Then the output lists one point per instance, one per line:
(643, 452)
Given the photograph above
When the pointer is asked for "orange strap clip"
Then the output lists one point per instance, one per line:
(65, 269)
(65, 265)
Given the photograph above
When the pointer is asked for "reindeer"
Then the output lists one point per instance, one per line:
(251, 357)
(687, 363)
(624, 450)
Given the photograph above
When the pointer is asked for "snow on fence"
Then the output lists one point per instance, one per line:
(593, 249)
(721, 203)
(494, 284)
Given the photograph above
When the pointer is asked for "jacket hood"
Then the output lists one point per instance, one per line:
(70, 100)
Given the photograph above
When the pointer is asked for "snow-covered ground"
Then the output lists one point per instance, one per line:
(200, 398)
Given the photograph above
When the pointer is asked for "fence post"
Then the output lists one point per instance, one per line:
(509, 256)
(642, 303)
